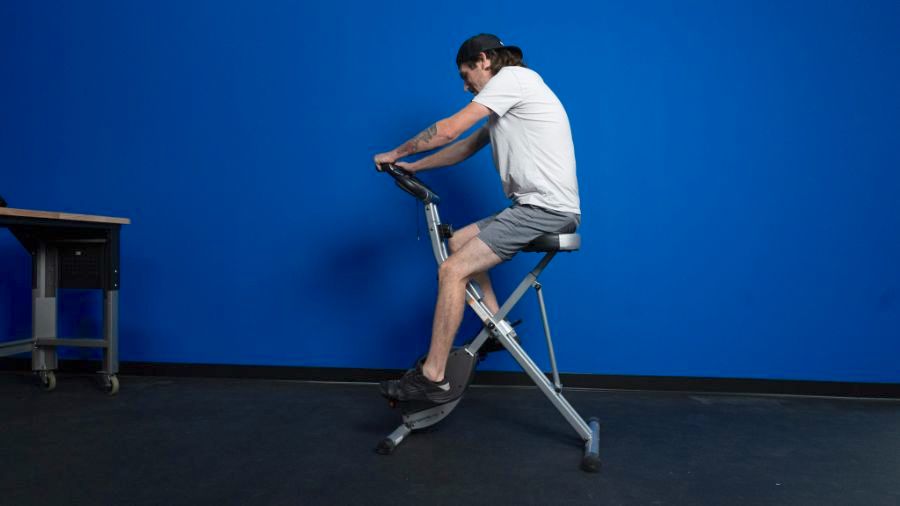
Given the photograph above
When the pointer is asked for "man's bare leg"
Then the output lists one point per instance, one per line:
(474, 257)
(461, 238)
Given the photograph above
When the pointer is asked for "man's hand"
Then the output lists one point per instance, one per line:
(389, 157)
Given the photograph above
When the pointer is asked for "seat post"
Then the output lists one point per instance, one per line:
(538, 289)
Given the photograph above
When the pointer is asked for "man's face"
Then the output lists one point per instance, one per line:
(474, 79)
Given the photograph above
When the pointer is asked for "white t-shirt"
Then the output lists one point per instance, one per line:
(531, 140)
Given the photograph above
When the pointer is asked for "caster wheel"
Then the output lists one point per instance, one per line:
(48, 380)
(385, 447)
(110, 384)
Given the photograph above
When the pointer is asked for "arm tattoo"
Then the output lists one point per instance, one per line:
(412, 146)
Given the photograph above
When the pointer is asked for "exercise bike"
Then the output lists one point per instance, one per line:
(462, 361)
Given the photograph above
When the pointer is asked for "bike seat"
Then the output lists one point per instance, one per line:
(555, 242)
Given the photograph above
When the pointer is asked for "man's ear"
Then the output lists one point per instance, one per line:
(483, 61)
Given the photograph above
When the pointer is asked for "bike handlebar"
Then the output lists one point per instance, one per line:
(409, 183)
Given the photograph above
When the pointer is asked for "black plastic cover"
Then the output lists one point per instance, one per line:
(411, 184)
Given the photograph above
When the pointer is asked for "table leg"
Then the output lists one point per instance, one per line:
(44, 305)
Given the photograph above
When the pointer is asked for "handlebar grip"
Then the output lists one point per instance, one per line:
(392, 169)
(409, 183)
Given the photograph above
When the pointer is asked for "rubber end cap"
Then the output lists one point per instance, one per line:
(590, 463)
(385, 447)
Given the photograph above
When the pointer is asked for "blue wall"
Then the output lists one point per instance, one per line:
(738, 164)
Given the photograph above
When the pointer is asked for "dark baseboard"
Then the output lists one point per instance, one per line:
(596, 381)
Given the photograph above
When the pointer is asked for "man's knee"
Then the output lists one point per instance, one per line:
(451, 271)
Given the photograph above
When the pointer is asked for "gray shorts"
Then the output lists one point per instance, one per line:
(510, 230)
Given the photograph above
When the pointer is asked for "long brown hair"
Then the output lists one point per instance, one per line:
(501, 57)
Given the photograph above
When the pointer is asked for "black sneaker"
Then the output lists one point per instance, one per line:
(414, 386)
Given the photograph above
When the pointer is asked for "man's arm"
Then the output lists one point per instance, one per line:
(453, 153)
(443, 132)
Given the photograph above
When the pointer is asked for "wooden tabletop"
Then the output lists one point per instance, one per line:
(52, 215)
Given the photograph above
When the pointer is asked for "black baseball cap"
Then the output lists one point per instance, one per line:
(469, 49)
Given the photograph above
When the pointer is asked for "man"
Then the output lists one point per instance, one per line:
(529, 132)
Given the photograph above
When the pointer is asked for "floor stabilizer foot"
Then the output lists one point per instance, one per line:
(385, 447)
(591, 461)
